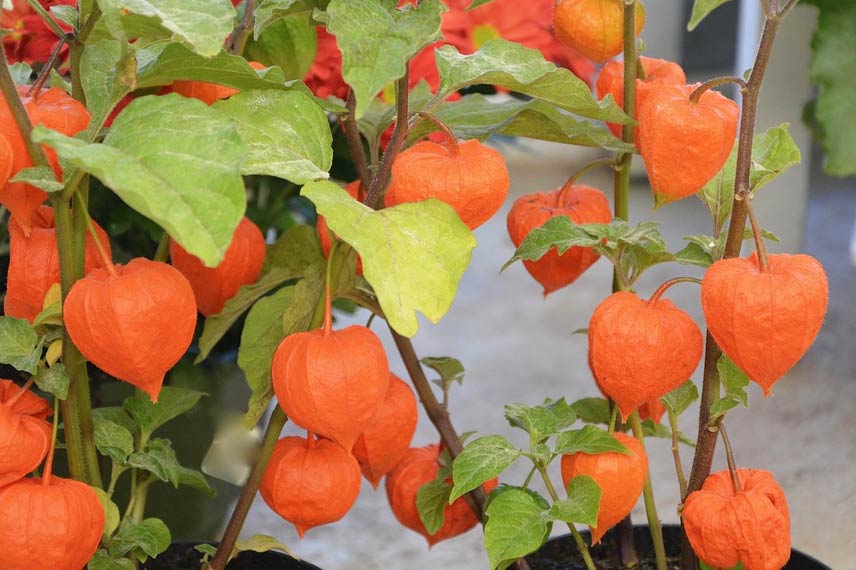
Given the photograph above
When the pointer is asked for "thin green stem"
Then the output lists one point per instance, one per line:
(587, 168)
(238, 39)
(582, 549)
(613, 417)
(162, 252)
(654, 524)
(529, 477)
(676, 454)
(46, 16)
(36, 87)
(48, 470)
(21, 391)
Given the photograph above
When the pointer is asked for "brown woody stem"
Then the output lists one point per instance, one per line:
(706, 444)
(238, 40)
(355, 143)
(248, 493)
(37, 7)
(399, 135)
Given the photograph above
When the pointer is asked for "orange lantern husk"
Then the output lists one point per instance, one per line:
(310, 483)
(54, 109)
(418, 467)
(619, 476)
(641, 350)
(25, 436)
(241, 265)
(331, 382)
(750, 526)
(55, 524)
(610, 81)
(594, 28)
(34, 262)
(386, 440)
(134, 322)
(584, 205)
(652, 410)
(469, 176)
(684, 144)
(765, 321)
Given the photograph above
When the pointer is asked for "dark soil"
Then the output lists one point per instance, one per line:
(183, 556)
(560, 553)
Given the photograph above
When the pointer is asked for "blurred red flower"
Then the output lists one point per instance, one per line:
(30, 40)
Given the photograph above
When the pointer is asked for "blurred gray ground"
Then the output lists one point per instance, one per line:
(518, 347)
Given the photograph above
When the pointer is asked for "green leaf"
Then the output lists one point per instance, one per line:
(103, 561)
(285, 260)
(172, 403)
(161, 63)
(431, 501)
(694, 254)
(262, 543)
(116, 415)
(296, 316)
(21, 73)
(476, 3)
(582, 505)
(286, 133)
(271, 11)
(679, 399)
(774, 152)
(377, 40)
(289, 43)
(517, 68)
(517, 525)
(159, 460)
(590, 440)
(41, 177)
(195, 479)
(261, 335)
(540, 422)
(174, 160)
(108, 73)
(201, 25)
(592, 410)
(481, 460)
(413, 254)
(701, 8)
(113, 440)
(111, 512)
(735, 381)
(150, 536)
(833, 70)
(66, 14)
(475, 117)
(19, 345)
(450, 370)
(53, 380)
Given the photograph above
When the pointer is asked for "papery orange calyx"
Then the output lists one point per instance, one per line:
(241, 265)
(750, 526)
(56, 525)
(418, 467)
(619, 476)
(134, 322)
(310, 483)
(639, 350)
(594, 28)
(584, 205)
(765, 321)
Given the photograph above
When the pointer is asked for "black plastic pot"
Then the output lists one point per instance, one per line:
(560, 553)
(183, 556)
